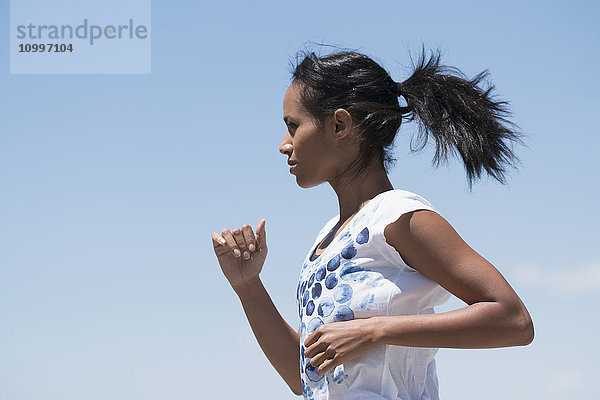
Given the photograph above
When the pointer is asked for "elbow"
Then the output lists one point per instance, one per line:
(523, 328)
(528, 332)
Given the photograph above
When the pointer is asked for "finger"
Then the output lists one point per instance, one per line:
(321, 357)
(218, 240)
(315, 349)
(327, 365)
(249, 237)
(312, 338)
(261, 235)
(219, 247)
(241, 242)
(231, 242)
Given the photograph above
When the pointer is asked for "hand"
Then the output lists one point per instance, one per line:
(240, 254)
(337, 342)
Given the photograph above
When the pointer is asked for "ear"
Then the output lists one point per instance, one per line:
(343, 122)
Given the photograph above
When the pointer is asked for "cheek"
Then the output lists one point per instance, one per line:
(315, 156)
(311, 148)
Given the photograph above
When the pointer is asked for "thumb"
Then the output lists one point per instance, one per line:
(261, 234)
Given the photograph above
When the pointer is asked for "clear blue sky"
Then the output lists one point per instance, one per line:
(111, 185)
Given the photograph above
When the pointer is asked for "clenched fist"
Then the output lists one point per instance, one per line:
(241, 254)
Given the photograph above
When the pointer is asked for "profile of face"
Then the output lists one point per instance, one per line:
(317, 154)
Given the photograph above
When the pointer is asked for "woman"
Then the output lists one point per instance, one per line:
(369, 284)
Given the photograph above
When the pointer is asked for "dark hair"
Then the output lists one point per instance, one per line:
(459, 115)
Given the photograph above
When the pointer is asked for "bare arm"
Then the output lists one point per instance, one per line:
(495, 315)
(277, 339)
(241, 257)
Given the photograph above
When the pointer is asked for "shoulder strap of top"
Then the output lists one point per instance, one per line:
(390, 208)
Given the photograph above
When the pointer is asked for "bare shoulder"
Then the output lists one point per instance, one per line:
(423, 231)
(429, 244)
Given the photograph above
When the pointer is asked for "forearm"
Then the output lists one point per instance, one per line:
(480, 325)
(277, 339)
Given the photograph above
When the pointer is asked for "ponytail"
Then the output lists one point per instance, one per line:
(461, 117)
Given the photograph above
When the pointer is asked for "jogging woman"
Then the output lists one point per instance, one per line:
(370, 282)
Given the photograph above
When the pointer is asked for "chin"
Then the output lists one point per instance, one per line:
(307, 184)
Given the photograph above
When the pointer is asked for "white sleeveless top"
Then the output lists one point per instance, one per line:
(360, 275)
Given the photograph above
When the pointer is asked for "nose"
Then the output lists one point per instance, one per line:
(285, 147)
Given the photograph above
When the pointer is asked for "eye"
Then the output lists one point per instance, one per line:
(291, 128)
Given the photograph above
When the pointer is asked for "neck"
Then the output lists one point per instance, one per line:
(353, 195)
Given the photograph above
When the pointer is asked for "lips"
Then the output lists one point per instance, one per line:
(292, 165)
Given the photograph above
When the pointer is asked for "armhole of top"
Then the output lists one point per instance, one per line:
(390, 212)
